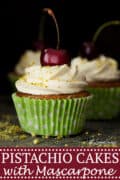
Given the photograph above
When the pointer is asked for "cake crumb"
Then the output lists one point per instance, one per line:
(66, 145)
(17, 146)
(83, 143)
(45, 137)
(99, 134)
(86, 133)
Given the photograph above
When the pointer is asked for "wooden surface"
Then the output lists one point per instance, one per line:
(97, 133)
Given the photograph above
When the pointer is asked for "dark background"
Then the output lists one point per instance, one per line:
(78, 20)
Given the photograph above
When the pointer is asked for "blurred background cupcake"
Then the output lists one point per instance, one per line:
(103, 77)
(28, 59)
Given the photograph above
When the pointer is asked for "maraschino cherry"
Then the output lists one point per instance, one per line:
(89, 49)
(52, 57)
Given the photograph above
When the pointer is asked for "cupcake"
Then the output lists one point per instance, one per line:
(103, 78)
(29, 58)
(51, 100)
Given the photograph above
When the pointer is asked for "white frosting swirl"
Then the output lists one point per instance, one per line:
(100, 69)
(51, 80)
(29, 58)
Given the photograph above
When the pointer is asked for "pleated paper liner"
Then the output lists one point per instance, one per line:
(58, 117)
(105, 103)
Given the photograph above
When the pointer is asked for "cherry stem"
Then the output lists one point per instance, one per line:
(103, 26)
(50, 12)
(41, 28)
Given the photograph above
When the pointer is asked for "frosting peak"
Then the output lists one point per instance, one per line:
(51, 80)
(100, 69)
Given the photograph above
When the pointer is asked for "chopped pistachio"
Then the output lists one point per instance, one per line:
(36, 141)
(23, 136)
(66, 145)
(83, 142)
(99, 134)
(4, 136)
(86, 133)
(59, 137)
(45, 137)
(13, 129)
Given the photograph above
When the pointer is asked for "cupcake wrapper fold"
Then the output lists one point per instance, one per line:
(105, 103)
(51, 117)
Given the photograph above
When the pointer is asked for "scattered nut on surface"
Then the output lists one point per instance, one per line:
(86, 133)
(59, 137)
(23, 136)
(45, 137)
(36, 141)
(99, 134)
(66, 145)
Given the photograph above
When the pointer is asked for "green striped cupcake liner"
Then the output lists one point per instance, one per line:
(51, 117)
(105, 103)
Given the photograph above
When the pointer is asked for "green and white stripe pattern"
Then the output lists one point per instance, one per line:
(58, 117)
(105, 103)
